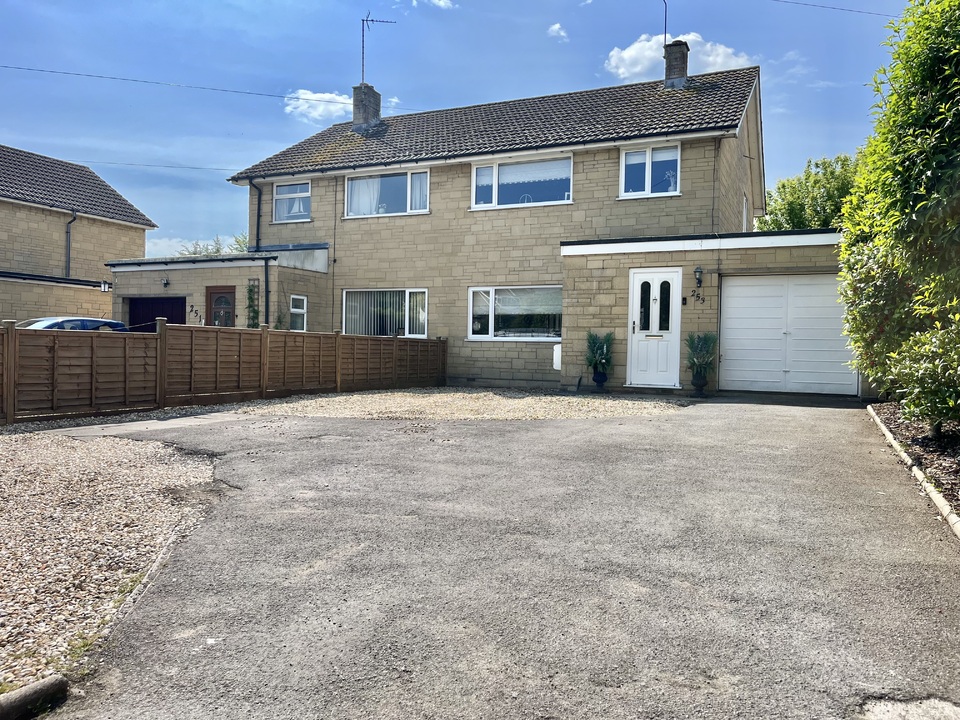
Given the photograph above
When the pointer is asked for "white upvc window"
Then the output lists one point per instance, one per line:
(291, 202)
(530, 182)
(515, 313)
(385, 312)
(398, 193)
(650, 171)
(298, 313)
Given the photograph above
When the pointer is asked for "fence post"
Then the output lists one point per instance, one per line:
(161, 362)
(443, 361)
(396, 357)
(9, 370)
(264, 358)
(338, 345)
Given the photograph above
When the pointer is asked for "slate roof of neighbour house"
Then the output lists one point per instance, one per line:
(713, 101)
(41, 180)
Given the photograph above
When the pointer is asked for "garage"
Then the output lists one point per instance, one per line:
(783, 333)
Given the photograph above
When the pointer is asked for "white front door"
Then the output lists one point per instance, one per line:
(653, 355)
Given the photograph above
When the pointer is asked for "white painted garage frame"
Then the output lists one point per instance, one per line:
(784, 333)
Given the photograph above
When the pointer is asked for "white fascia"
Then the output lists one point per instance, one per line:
(740, 242)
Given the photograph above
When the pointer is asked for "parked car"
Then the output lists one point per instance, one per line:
(72, 323)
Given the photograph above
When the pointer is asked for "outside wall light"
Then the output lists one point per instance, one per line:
(165, 282)
(698, 274)
(104, 286)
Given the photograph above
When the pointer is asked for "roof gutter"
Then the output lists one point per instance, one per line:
(57, 208)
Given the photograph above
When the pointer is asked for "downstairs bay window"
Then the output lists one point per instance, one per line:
(515, 313)
(391, 194)
(385, 312)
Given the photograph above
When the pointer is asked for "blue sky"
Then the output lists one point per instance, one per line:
(816, 64)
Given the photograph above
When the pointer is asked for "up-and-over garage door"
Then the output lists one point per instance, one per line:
(783, 333)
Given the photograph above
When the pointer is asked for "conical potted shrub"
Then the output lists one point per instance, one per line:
(599, 357)
(701, 359)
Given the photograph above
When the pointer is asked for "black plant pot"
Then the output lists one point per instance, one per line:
(599, 378)
(699, 382)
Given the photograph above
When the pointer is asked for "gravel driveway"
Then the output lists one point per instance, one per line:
(714, 561)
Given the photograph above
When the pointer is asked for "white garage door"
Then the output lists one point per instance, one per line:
(784, 333)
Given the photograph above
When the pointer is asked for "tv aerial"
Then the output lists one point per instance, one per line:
(365, 23)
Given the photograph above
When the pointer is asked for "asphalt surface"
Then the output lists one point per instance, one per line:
(730, 560)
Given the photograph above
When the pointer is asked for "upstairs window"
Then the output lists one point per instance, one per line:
(650, 171)
(391, 194)
(539, 182)
(291, 203)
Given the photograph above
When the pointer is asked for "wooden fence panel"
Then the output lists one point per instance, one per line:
(211, 360)
(49, 373)
(67, 372)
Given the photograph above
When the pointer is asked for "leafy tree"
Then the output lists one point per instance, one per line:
(238, 244)
(812, 199)
(900, 255)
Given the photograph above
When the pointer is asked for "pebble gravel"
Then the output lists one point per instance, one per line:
(82, 521)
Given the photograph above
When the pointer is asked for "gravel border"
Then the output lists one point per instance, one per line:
(81, 523)
(943, 506)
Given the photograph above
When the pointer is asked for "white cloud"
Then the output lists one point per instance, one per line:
(390, 106)
(444, 4)
(317, 107)
(557, 31)
(643, 60)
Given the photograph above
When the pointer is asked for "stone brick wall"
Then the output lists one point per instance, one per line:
(33, 240)
(454, 248)
(596, 295)
(21, 300)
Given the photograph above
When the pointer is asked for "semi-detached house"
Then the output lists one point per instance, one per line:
(59, 223)
(515, 227)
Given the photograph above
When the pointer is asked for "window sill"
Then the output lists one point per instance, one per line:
(512, 339)
(290, 222)
(479, 208)
(384, 215)
(647, 196)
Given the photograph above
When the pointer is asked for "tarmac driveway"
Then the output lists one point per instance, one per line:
(725, 561)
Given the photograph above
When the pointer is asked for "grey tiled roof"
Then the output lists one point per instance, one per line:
(42, 180)
(714, 101)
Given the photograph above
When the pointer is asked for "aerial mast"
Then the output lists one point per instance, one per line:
(364, 24)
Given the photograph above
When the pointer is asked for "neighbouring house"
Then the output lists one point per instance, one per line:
(59, 223)
(276, 285)
(514, 228)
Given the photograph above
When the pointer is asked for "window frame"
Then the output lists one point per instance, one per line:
(307, 195)
(406, 308)
(299, 312)
(398, 171)
(648, 178)
(495, 165)
(490, 337)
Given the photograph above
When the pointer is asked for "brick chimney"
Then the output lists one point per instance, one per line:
(675, 54)
(366, 107)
